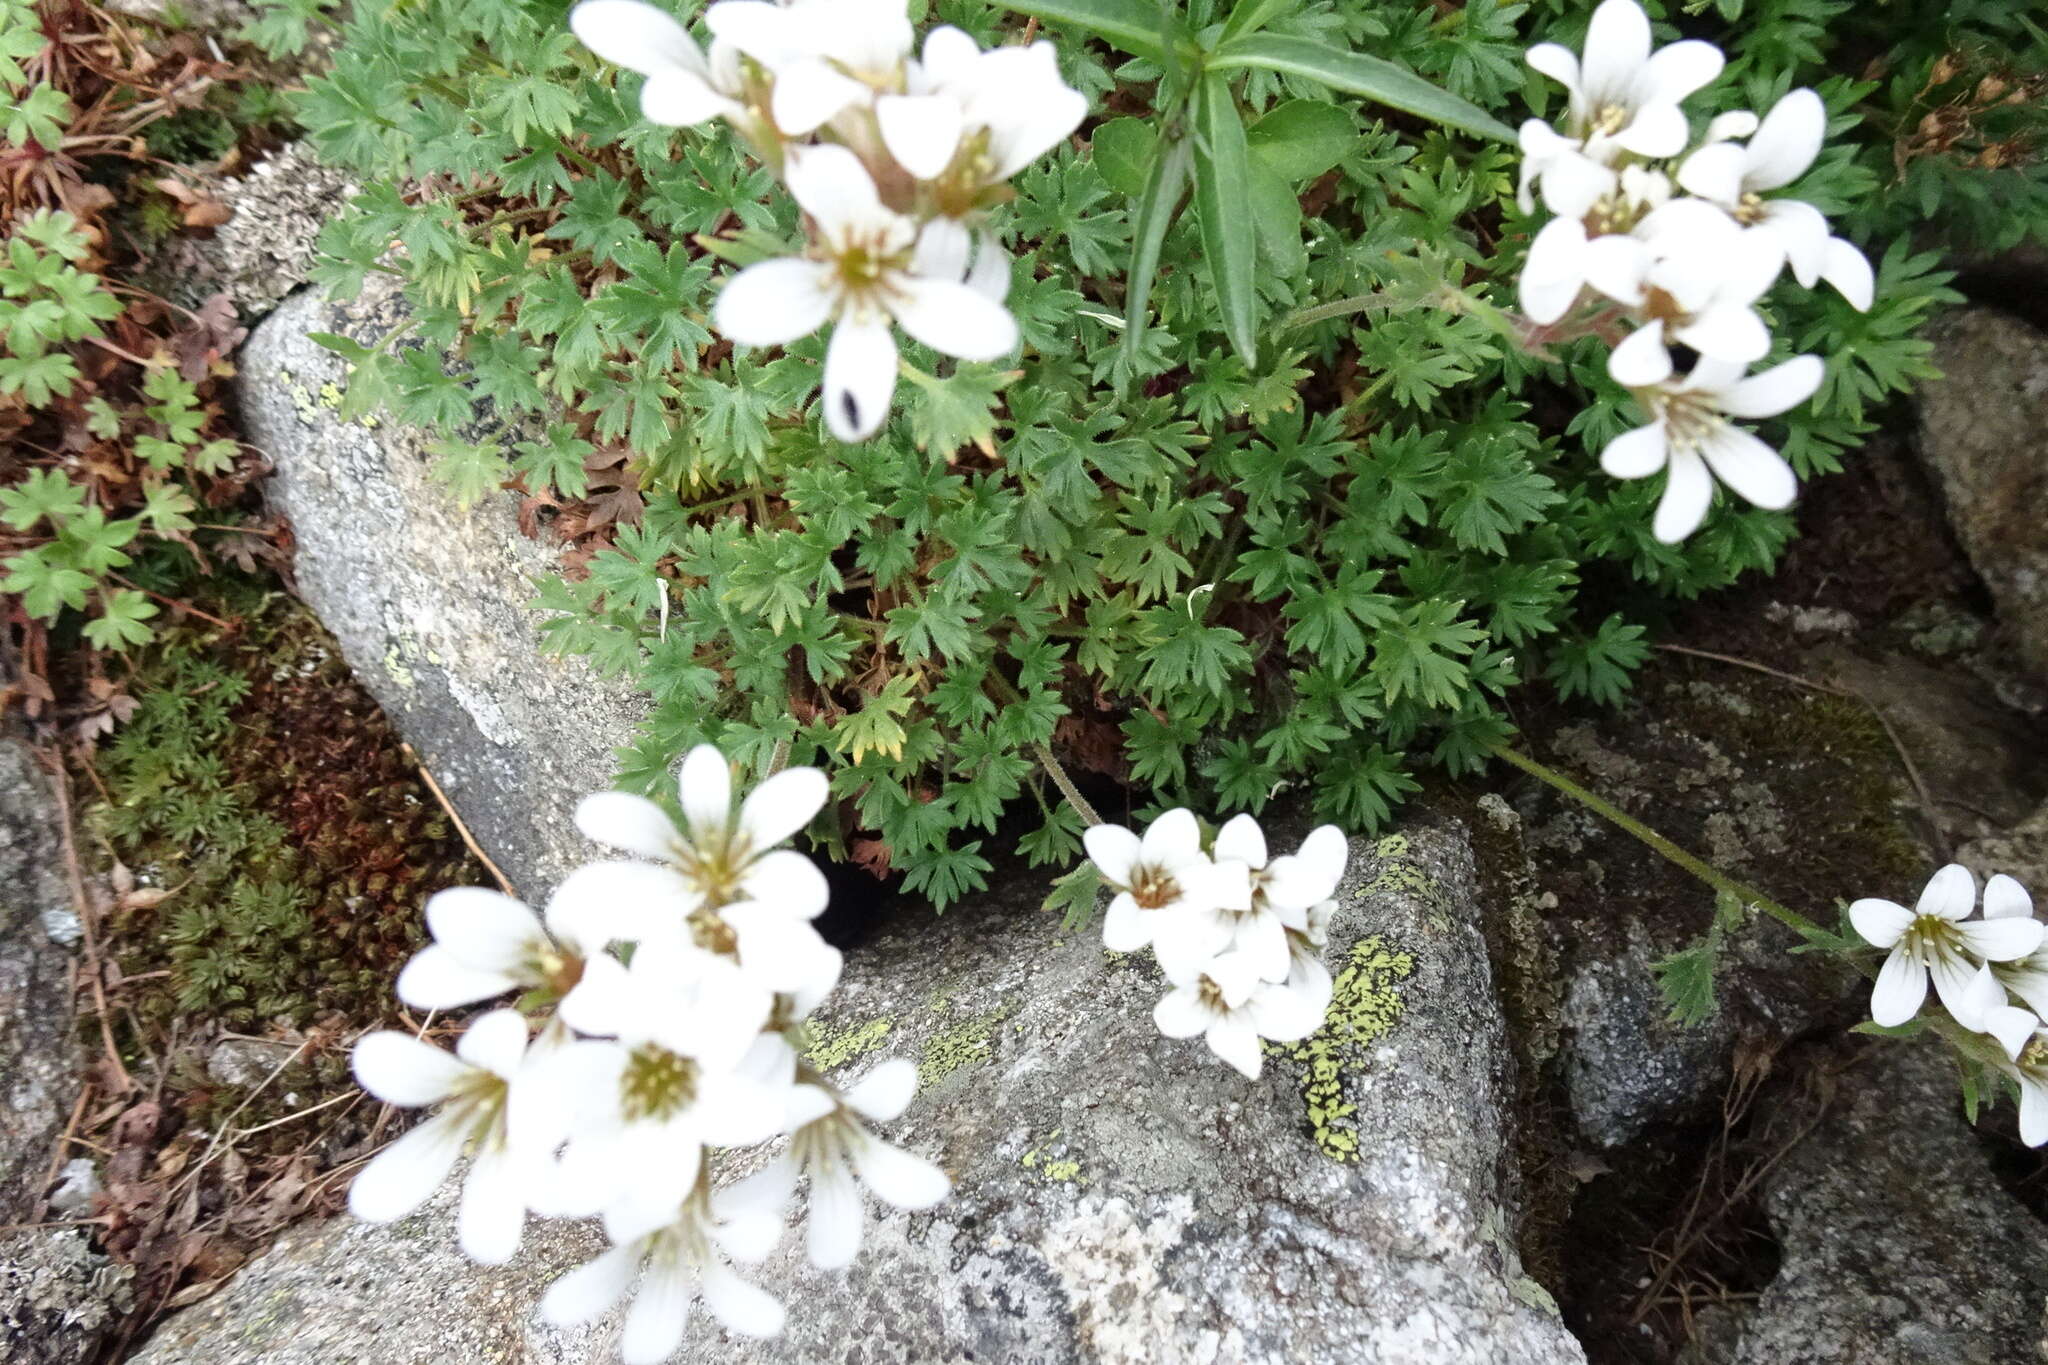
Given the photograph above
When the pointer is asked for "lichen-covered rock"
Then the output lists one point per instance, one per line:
(1119, 1197)
(265, 250)
(429, 602)
(1899, 1244)
(1984, 434)
(58, 1297)
(2020, 852)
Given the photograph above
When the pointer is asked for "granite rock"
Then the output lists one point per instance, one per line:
(1119, 1196)
(430, 602)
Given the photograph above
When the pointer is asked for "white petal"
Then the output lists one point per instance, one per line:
(1750, 467)
(1714, 172)
(435, 979)
(776, 948)
(1035, 126)
(897, 1177)
(1263, 940)
(1688, 492)
(1234, 1041)
(1636, 454)
(773, 302)
(943, 246)
(2002, 940)
(659, 1315)
(769, 33)
(1657, 130)
(784, 804)
(496, 1042)
(1676, 71)
(1616, 50)
(1774, 390)
(493, 1210)
(806, 1105)
(2033, 1113)
(399, 1178)
(616, 899)
(766, 1191)
(704, 782)
(1573, 183)
(833, 1224)
(949, 55)
(1125, 928)
(1114, 851)
(885, 1092)
(742, 1306)
(1285, 1015)
(1185, 941)
(601, 1002)
(860, 378)
(1555, 61)
(590, 1288)
(1618, 267)
(1545, 301)
(1900, 990)
(1802, 231)
(483, 928)
(1882, 923)
(1242, 839)
(400, 1069)
(787, 880)
(1951, 893)
(636, 36)
(623, 820)
(989, 276)
(1641, 359)
(2005, 898)
(682, 99)
(808, 94)
(1848, 270)
(1952, 976)
(952, 318)
(832, 185)
(1181, 1013)
(1736, 123)
(921, 131)
(1787, 141)
(1727, 332)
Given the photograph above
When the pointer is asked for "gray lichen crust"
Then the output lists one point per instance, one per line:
(430, 603)
(1119, 1196)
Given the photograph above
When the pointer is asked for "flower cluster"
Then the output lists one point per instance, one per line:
(1977, 966)
(1676, 241)
(894, 160)
(1238, 935)
(647, 1061)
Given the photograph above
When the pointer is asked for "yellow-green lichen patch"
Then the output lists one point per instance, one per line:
(1364, 1007)
(967, 1043)
(1046, 1159)
(831, 1049)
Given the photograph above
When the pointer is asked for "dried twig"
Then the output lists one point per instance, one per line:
(84, 908)
(504, 883)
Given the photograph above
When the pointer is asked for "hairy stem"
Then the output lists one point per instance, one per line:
(1066, 785)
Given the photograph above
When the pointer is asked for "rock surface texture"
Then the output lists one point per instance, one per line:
(1119, 1197)
(56, 1294)
(1984, 434)
(429, 602)
(1900, 1245)
(265, 250)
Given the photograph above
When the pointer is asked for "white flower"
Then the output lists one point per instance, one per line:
(971, 119)
(1281, 892)
(861, 273)
(1624, 98)
(486, 944)
(1937, 938)
(687, 1067)
(826, 55)
(1166, 889)
(2026, 977)
(831, 1144)
(1697, 276)
(1227, 1003)
(481, 1110)
(2029, 1070)
(671, 1260)
(1571, 181)
(1989, 1011)
(1689, 435)
(683, 86)
(1783, 147)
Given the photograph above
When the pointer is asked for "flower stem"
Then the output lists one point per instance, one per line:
(1712, 876)
(1066, 785)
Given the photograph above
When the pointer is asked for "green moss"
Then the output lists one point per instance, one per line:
(1364, 1007)
(831, 1049)
(968, 1043)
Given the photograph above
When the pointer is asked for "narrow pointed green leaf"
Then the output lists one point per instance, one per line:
(1223, 188)
(1358, 74)
(1163, 187)
(1130, 24)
